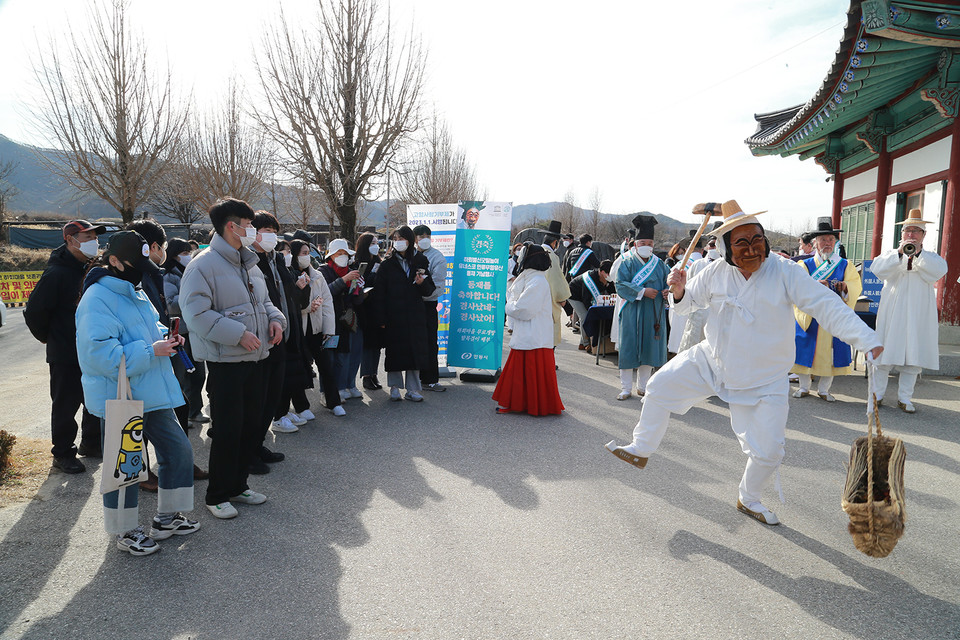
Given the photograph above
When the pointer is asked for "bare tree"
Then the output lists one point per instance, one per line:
(437, 172)
(568, 213)
(229, 156)
(174, 195)
(594, 217)
(302, 204)
(113, 122)
(341, 99)
(7, 190)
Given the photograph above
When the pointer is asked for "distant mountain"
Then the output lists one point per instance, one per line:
(41, 192)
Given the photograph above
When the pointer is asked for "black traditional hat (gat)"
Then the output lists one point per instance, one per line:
(644, 225)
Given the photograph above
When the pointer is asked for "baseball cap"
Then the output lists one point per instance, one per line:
(131, 248)
(76, 226)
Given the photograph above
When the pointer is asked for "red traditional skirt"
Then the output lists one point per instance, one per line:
(528, 383)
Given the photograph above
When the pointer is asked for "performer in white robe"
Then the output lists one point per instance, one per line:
(679, 322)
(697, 320)
(907, 317)
(747, 352)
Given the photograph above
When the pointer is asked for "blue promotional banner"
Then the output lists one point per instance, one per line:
(872, 285)
(442, 220)
(479, 291)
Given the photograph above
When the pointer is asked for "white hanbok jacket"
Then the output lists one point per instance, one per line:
(530, 304)
(907, 317)
(750, 330)
(323, 320)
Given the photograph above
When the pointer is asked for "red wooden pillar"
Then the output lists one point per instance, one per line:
(883, 188)
(948, 295)
(837, 198)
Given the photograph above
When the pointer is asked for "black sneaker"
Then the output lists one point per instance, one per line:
(271, 456)
(69, 464)
(90, 450)
(258, 468)
(137, 543)
(179, 526)
(199, 419)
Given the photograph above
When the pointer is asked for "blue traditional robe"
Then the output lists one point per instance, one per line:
(641, 341)
(841, 358)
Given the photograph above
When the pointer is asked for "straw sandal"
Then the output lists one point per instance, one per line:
(625, 455)
(764, 515)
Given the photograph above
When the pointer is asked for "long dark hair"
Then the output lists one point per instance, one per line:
(175, 247)
(406, 233)
(295, 247)
(363, 247)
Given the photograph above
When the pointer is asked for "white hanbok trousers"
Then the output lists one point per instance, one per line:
(908, 381)
(758, 417)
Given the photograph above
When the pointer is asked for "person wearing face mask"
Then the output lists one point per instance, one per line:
(402, 281)
(233, 323)
(153, 284)
(819, 353)
(179, 254)
(317, 323)
(641, 281)
(285, 365)
(368, 250)
(747, 352)
(49, 315)
(346, 287)
(430, 374)
(585, 291)
(115, 319)
(528, 383)
(696, 320)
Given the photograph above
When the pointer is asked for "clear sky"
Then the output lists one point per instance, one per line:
(647, 102)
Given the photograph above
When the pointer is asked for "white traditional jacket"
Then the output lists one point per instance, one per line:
(907, 317)
(530, 304)
(750, 330)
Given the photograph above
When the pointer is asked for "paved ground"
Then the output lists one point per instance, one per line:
(443, 520)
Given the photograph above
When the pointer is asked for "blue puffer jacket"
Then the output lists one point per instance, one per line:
(114, 319)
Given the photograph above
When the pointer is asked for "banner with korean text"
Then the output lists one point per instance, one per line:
(479, 291)
(442, 220)
(15, 286)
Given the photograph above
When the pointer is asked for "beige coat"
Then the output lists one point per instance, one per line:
(559, 291)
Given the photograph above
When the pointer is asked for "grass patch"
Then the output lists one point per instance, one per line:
(28, 469)
(13, 258)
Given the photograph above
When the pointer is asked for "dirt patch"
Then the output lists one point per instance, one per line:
(29, 468)
(13, 258)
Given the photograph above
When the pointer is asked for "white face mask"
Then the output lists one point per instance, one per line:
(713, 254)
(566, 243)
(303, 261)
(645, 251)
(249, 238)
(184, 259)
(90, 248)
(341, 261)
(374, 249)
(268, 241)
(400, 245)
(424, 244)
(288, 259)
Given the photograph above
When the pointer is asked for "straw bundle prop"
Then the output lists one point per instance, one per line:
(873, 496)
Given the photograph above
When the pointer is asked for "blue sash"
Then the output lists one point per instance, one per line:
(644, 274)
(592, 287)
(806, 341)
(575, 269)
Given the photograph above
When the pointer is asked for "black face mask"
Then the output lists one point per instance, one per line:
(131, 275)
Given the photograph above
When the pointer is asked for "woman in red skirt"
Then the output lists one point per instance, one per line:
(528, 382)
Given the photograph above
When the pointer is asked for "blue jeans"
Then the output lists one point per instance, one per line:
(348, 363)
(174, 468)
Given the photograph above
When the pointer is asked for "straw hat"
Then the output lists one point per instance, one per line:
(914, 220)
(733, 216)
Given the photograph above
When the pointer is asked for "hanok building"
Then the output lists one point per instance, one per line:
(884, 124)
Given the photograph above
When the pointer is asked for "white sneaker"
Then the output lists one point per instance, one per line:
(295, 419)
(283, 425)
(339, 411)
(395, 394)
(307, 415)
(355, 393)
(413, 397)
(224, 510)
(249, 497)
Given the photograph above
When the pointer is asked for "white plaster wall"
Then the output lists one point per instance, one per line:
(932, 158)
(858, 185)
(889, 219)
(932, 211)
